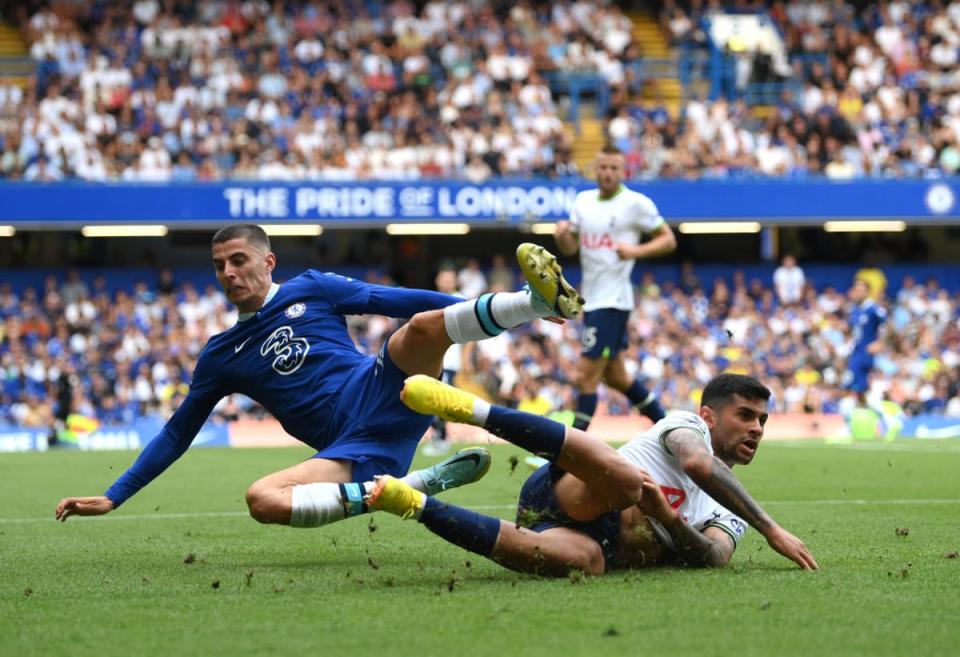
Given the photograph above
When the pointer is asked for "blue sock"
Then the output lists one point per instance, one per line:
(644, 401)
(586, 407)
(533, 433)
(454, 524)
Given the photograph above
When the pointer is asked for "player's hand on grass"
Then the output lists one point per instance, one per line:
(791, 547)
(83, 506)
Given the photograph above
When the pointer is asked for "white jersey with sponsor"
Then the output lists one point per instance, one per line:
(697, 509)
(601, 224)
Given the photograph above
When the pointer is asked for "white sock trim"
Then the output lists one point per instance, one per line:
(481, 411)
(415, 480)
(315, 505)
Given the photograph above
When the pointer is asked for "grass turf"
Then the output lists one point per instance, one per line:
(121, 585)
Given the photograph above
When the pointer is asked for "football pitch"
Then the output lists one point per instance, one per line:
(181, 569)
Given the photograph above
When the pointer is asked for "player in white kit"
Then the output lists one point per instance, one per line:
(668, 495)
(606, 225)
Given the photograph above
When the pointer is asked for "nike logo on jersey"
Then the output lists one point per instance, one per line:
(240, 346)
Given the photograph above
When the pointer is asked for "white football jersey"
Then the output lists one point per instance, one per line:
(697, 509)
(601, 224)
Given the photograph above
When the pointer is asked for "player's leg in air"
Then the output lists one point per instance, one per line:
(380, 434)
(571, 507)
(601, 359)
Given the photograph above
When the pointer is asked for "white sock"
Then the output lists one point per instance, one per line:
(481, 410)
(415, 481)
(463, 323)
(513, 308)
(321, 503)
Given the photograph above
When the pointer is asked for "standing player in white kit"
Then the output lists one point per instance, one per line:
(610, 222)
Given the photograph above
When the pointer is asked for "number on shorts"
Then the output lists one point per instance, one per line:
(589, 340)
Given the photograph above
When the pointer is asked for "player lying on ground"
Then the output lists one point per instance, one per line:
(291, 352)
(594, 508)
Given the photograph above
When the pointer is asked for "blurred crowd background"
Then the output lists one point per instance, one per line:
(169, 90)
(366, 89)
(75, 347)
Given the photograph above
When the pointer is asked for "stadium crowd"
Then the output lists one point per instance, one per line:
(285, 91)
(875, 93)
(72, 348)
(153, 91)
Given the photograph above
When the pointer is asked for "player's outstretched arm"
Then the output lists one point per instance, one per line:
(352, 297)
(83, 506)
(172, 441)
(712, 548)
(565, 238)
(719, 482)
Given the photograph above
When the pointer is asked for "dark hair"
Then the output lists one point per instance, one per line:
(610, 149)
(252, 233)
(721, 389)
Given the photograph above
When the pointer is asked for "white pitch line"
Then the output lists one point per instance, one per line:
(860, 502)
(483, 507)
(919, 448)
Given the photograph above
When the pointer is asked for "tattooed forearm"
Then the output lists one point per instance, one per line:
(695, 548)
(719, 482)
(714, 477)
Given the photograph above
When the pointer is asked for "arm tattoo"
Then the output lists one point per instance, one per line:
(715, 478)
(720, 483)
(698, 549)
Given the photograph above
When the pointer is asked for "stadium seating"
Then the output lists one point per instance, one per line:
(151, 91)
(370, 90)
(118, 354)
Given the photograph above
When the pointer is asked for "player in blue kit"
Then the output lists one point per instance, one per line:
(291, 352)
(866, 318)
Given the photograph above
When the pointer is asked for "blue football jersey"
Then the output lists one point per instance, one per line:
(293, 356)
(865, 320)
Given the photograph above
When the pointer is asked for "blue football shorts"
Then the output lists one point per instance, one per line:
(857, 376)
(539, 510)
(604, 333)
(376, 431)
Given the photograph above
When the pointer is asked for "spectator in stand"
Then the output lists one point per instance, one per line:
(146, 340)
(471, 280)
(789, 281)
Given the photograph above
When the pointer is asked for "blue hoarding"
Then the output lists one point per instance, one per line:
(501, 202)
(126, 436)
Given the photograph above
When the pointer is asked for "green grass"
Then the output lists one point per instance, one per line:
(118, 585)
